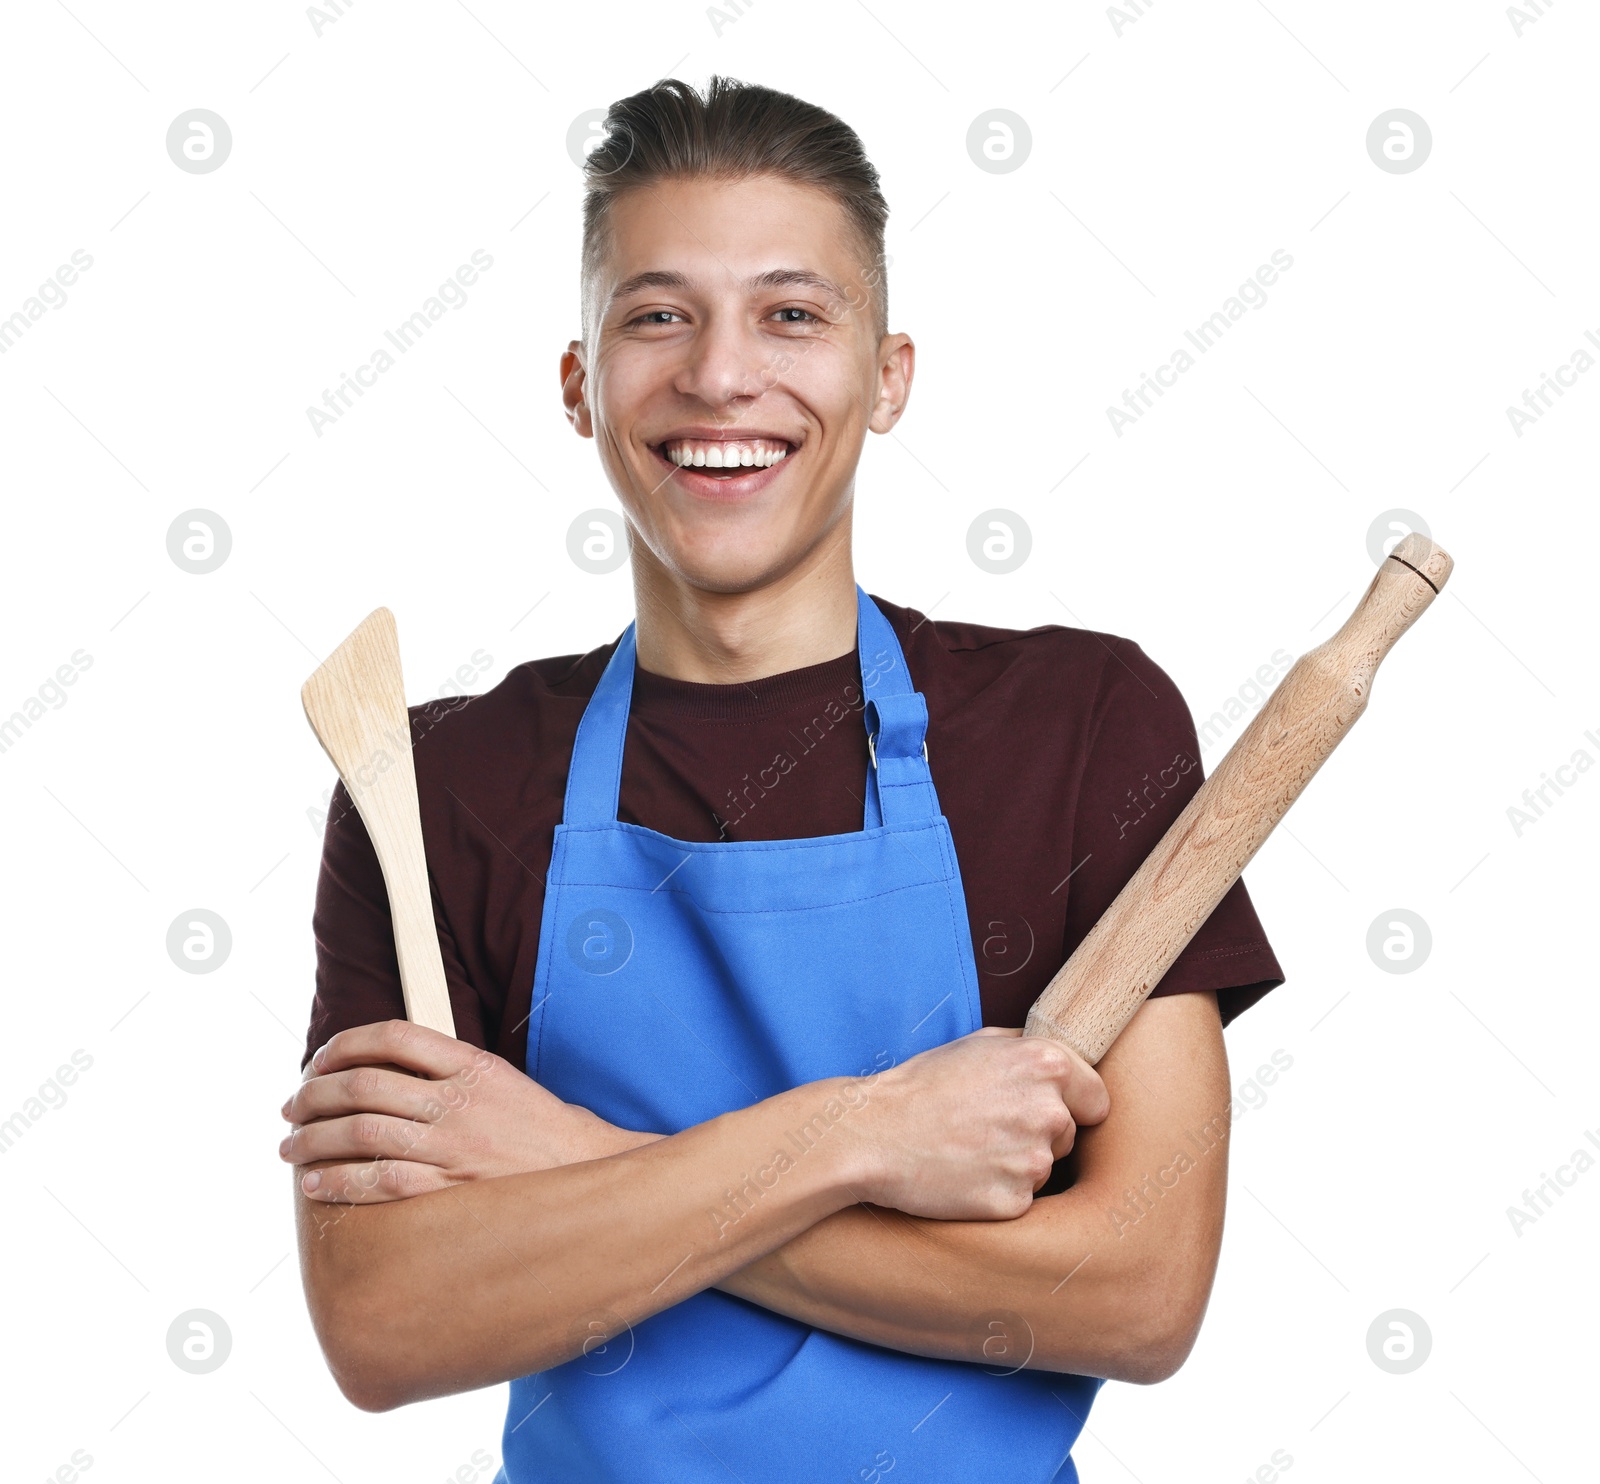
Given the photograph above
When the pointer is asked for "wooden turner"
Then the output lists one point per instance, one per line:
(356, 704)
(1097, 991)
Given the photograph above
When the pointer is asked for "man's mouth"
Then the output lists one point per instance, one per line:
(743, 463)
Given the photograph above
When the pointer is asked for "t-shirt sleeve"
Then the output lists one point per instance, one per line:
(1143, 766)
(358, 970)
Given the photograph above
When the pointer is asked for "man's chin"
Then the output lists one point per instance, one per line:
(735, 551)
(727, 568)
(729, 577)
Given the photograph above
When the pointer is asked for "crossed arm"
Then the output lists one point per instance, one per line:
(1105, 1285)
(493, 1278)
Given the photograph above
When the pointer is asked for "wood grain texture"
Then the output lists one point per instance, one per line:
(356, 704)
(1123, 957)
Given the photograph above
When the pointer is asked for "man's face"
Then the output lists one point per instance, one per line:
(733, 325)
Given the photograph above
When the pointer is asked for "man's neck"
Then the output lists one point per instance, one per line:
(805, 618)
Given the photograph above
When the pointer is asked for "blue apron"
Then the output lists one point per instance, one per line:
(679, 980)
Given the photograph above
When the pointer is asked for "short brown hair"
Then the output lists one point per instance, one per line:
(736, 129)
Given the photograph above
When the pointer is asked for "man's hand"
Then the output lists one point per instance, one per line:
(466, 1115)
(971, 1129)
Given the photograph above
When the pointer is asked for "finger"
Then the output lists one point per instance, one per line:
(363, 1136)
(1081, 1087)
(372, 1090)
(1061, 1145)
(415, 1047)
(372, 1182)
(1086, 1095)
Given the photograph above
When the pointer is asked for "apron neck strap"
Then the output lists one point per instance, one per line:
(899, 786)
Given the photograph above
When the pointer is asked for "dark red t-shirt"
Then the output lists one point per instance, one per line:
(1060, 756)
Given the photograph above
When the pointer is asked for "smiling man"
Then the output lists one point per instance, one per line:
(741, 1164)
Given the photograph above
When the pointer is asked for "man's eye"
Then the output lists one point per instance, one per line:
(650, 316)
(795, 309)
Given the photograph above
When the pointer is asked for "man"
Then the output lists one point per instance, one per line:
(723, 1173)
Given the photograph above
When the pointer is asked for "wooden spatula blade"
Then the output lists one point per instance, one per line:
(356, 704)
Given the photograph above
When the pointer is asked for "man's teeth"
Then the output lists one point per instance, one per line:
(761, 453)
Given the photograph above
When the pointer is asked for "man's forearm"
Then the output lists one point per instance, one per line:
(1093, 1301)
(491, 1280)
(1089, 1302)
(1107, 1280)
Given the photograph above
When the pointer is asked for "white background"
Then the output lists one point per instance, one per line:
(1171, 155)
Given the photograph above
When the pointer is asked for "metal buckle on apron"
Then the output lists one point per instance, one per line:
(872, 750)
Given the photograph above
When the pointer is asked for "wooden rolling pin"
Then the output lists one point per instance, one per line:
(1096, 992)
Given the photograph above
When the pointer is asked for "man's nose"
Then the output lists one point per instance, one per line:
(727, 360)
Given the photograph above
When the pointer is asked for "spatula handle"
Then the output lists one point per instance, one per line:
(394, 816)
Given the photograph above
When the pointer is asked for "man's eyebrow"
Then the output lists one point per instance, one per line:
(773, 278)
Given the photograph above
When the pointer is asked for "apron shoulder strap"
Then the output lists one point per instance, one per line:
(897, 729)
(594, 780)
(899, 785)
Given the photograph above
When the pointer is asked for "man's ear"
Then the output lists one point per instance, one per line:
(573, 378)
(897, 357)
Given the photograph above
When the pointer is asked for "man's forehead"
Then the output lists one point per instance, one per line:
(750, 233)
